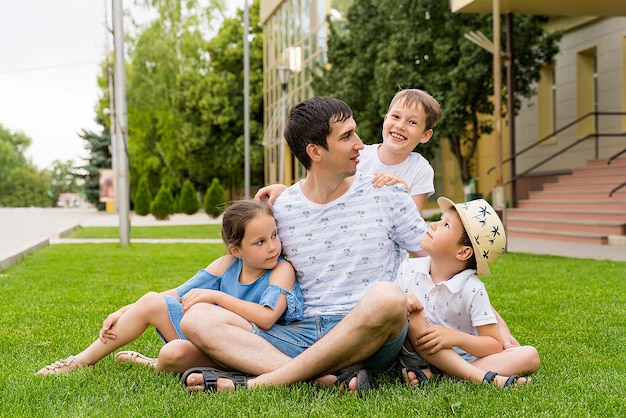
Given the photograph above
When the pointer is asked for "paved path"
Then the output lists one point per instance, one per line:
(24, 230)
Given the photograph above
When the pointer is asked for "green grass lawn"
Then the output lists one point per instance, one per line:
(54, 301)
(171, 231)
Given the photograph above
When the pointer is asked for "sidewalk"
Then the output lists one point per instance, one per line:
(24, 230)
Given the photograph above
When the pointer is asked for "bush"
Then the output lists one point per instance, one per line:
(214, 199)
(163, 204)
(143, 198)
(188, 202)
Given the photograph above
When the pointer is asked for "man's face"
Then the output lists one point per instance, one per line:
(344, 145)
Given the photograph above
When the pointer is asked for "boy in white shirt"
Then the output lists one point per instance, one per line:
(452, 325)
(409, 121)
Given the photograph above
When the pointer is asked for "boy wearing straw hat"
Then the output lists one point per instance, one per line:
(452, 327)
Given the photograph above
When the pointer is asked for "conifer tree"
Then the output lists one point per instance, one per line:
(214, 199)
(188, 202)
(163, 204)
(143, 198)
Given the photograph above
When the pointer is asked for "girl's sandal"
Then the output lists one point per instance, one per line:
(135, 357)
(62, 366)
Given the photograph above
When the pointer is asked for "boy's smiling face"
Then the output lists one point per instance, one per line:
(404, 127)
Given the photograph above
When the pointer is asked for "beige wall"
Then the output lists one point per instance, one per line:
(601, 39)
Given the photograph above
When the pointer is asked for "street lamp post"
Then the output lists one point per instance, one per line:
(284, 74)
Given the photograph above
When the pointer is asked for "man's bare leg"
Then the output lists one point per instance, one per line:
(227, 339)
(376, 319)
(178, 356)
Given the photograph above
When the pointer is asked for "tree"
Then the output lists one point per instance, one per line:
(210, 106)
(214, 199)
(163, 204)
(64, 178)
(21, 184)
(143, 198)
(188, 201)
(99, 147)
(420, 44)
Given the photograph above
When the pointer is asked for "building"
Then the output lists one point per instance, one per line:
(586, 82)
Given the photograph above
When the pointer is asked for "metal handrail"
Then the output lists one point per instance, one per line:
(617, 188)
(558, 153)
(608, 162)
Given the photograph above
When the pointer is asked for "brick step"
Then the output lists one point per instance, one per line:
(578, 226)
(600, 171)
(604, 186)
(576, 196)
(560, 205)
(567, 214)
(563, 236)
(602, 163)
(592, 179)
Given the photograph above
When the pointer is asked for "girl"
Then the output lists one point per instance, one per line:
(253, 281)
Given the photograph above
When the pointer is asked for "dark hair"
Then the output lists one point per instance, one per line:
(466, 241)
(309, 123)
(236, 218)
(413, 97)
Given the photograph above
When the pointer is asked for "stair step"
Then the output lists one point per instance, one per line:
(603, 186)
(600, 171)
(575, 207)
(601, 163)
(567, 214)
(576, 196)
(574, 226)
(557, 235)
(559, 205)
(595, 179)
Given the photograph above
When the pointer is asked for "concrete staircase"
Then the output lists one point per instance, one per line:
(575, 208)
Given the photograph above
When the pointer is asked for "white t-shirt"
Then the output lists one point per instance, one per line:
(459, 303)
(416, 171)
(340, 249)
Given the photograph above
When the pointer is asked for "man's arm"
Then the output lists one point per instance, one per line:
(269, 193)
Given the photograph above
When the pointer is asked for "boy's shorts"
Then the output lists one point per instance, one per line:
(295, 337)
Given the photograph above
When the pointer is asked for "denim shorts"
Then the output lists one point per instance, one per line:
(295, 337)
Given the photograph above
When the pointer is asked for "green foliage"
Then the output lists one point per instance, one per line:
(185, 96)
(21, 184)
(163, 204)
(143, 198)
(210, 108)
(98, 145)
(188, 202)
(571, 310)
(64, 178)
(214, 199)
(420, 44)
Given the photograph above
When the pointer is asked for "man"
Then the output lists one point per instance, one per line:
(344, 238)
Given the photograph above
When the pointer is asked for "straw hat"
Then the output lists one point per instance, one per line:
(484, 227)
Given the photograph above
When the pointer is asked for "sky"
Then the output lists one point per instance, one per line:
(50, 52)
